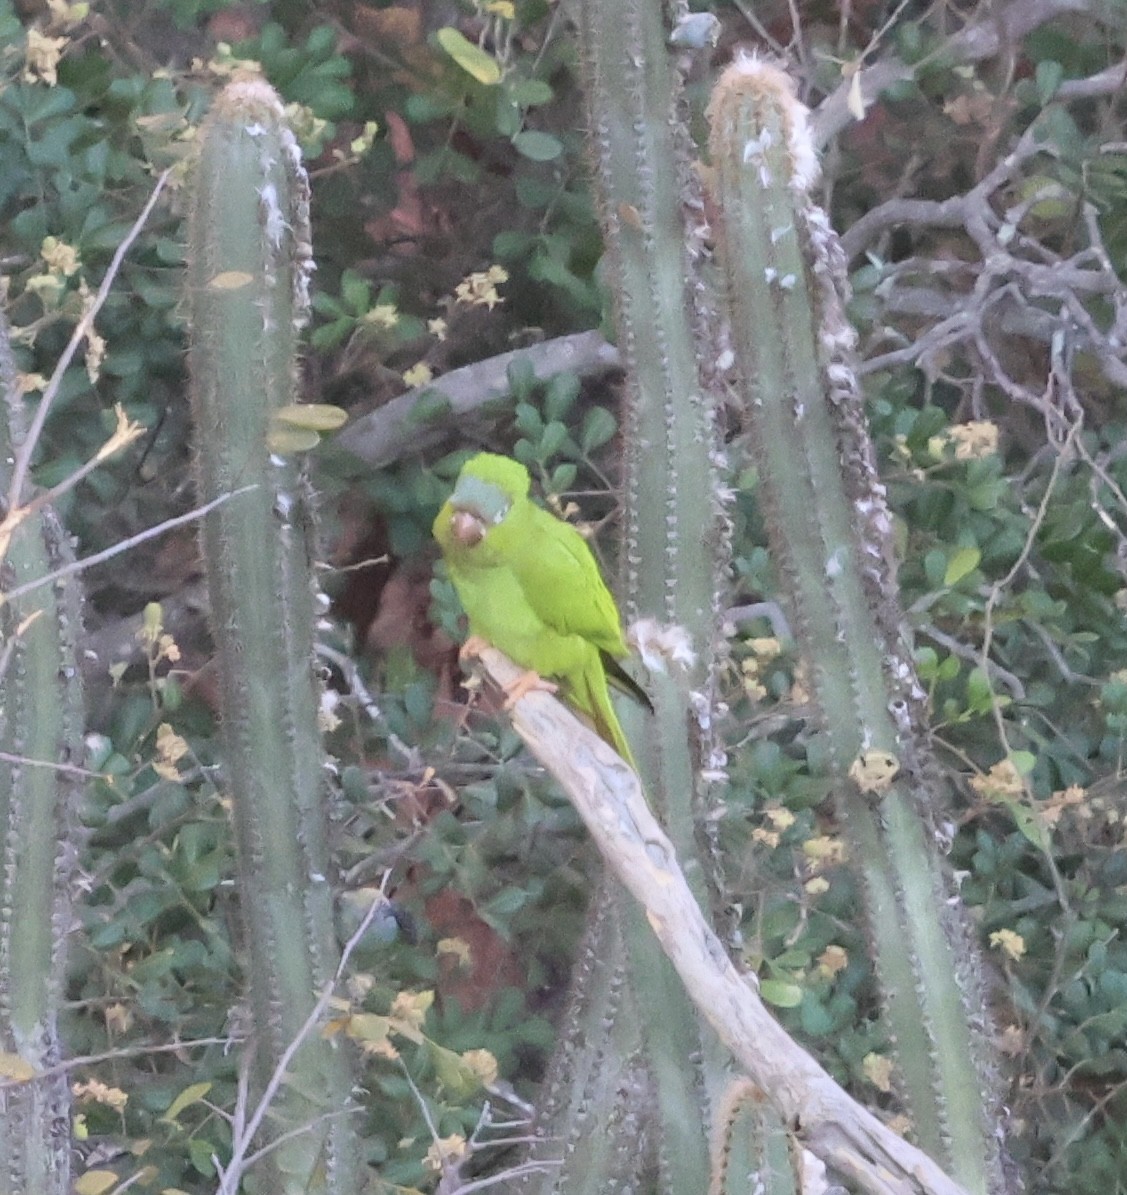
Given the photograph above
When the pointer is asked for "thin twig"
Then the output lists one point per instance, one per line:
(73, 1064)
(241, 1157)
(123, 435)
(68, 769)
(23, 458)
(125, 545)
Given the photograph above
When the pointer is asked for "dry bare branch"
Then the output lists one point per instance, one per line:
(608, 797)
(395, 430)
(1004, 25)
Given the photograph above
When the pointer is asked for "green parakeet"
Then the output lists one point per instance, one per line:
(531, 587)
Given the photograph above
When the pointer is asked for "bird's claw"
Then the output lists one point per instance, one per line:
(471, 649)
(527, 682)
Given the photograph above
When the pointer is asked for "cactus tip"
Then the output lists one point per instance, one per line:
(247, 94)
(758, 81)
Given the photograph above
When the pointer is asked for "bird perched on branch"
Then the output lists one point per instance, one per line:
(531, 587)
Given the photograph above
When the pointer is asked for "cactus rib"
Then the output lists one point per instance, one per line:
(829, 529)
(41, 723)
(249, 264)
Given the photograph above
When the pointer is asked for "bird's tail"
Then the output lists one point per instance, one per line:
(592, 697)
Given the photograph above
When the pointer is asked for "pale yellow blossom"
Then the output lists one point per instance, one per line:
(171, 748)
(1002, 782)
(459, 948)
(95, 354)
(973, 440)
(445, 1151)
(60, 257)
(1010, 943)
(31, 383)
(483, 1064)
(48, 288)
(780, 818)
(878, 1070)
(383, 317)
(480, 290)
(418, 375)
(411, 1007)
(43, 54)
(874, 771)
(65, 14)
(359, 146)
(824, 850)
(96, 1092)
(832, 960)
(307, 126)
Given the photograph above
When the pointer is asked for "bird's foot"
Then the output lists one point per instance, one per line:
(471, 649)
(527, 682)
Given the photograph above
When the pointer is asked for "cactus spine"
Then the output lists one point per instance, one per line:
(248, 268)
(41, 724)
(829, 529)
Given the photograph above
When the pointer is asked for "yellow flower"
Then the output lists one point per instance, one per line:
(100, 1093)
(483, 1064)
(31, 383)
(780, 818)
(832, 960)
(418, 375)
(95, 354)
(60, 257)
(48, 287)
(824, 850)
(973, 440)
(412, 1007)
(444, 1150)
(459, 948)
(65, 14)
(1002, 781)
(383, 317)
(878, 1070)
(874, 771)
(1011, 944)
(171, 748)
(43, 54)
(480, 290)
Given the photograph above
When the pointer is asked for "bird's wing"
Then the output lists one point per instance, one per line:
(561, 577)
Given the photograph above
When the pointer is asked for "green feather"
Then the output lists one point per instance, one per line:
(530, 586)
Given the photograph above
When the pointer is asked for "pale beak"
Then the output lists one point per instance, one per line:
(467, 528)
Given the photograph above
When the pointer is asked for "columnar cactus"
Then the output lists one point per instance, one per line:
(629, 1092)
(41, 724)
(830, 534)
(248, 270)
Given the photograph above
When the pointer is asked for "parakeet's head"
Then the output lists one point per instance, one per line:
(488, 487)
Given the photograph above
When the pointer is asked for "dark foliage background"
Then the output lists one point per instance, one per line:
(452, 222)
